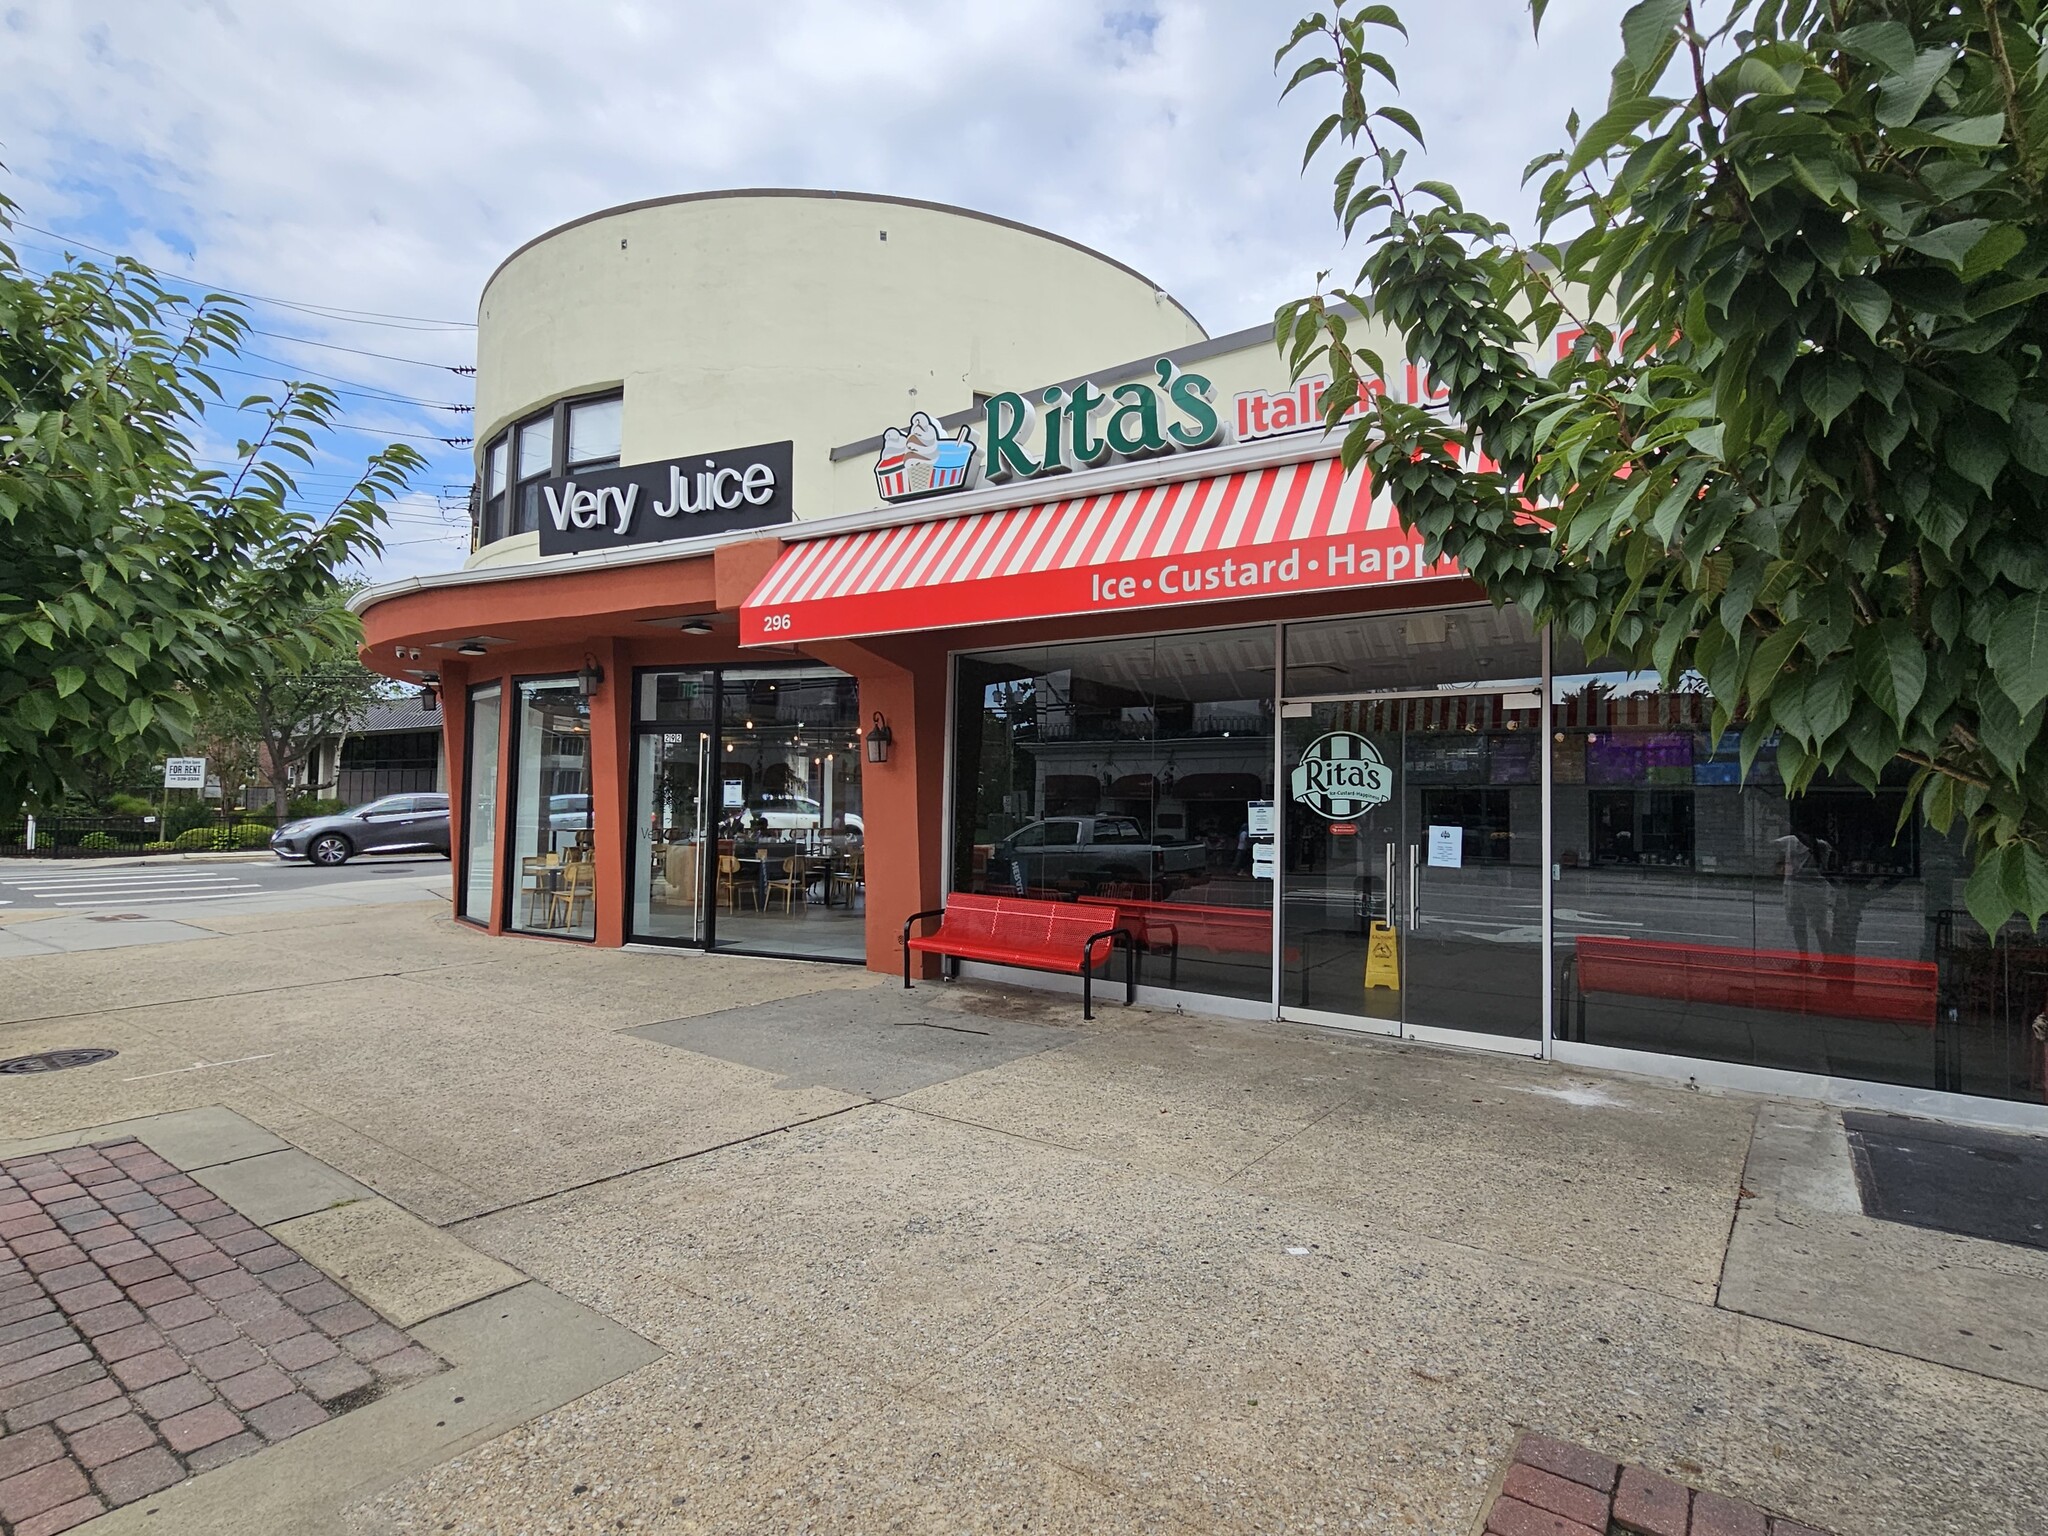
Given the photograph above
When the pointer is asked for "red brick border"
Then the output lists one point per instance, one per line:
(1554, 1488)
(149, 1332)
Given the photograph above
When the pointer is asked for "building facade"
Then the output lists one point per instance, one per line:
(839, 553)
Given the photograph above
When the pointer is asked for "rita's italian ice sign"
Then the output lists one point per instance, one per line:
(920, 460)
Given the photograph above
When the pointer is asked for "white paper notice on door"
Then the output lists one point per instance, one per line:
(1446, 847)
(1262, 861)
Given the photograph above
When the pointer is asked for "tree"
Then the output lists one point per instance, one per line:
(279, 716)
(1797, 438)
(135, 579)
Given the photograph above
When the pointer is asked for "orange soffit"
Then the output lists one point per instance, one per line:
(1305, 527)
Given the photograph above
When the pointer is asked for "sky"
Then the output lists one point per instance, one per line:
(369, 162)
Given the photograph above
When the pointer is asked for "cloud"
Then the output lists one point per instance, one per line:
(385, 156)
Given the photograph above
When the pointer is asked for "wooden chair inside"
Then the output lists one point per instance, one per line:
(852, 878)
(785, 879)
(573, 892)
(536, 881)
(728, 880)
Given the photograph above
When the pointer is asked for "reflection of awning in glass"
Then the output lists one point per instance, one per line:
(1071, 791)
(1218, 786)
(1134, 786)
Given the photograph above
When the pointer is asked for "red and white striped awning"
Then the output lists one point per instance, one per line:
(1299, 527)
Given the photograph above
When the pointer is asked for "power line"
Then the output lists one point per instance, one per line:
(461, 369)
(466, 370)
(344, 426)
(325, 311)
(367, 394)
(278, 362)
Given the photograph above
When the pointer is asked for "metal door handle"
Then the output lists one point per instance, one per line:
(1387, 908)
(1414, 895)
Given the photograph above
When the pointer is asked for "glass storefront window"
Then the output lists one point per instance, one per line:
(1699, 914)
(480, 802)
(1131, 774)
(1389, 653)
(553, 873)
(792, 868)
(748, 811)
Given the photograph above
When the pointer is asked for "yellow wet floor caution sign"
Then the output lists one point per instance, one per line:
(1383, 957)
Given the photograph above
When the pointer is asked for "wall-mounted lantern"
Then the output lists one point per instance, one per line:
(591, 678)
(879, 737)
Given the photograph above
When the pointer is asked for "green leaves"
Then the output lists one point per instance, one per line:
(1903, 93)
(1799, 442)
(1951, 242)
(2018, 650)
(1829, 386)
(132, 576)
(1646, 29)
(2010, 878)
(1892, 669)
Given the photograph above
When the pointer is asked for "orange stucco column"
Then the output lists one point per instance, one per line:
(611, 811)
(902, 800)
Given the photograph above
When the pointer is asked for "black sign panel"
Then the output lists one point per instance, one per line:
(681, 498)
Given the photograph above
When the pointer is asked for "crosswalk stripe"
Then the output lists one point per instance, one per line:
(121, 879)
(80, 890)
(157, 901)
(57, 883)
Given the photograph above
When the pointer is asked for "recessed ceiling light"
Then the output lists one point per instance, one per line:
(695, 626)
(472, 648)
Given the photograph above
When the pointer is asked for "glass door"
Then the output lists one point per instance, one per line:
(1340, 858)
(1412, 864)
(675, 811)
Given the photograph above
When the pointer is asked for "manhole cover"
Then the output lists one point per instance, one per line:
(57, 1061)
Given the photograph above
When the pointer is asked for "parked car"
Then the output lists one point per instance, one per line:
(568, 813)
(1092, 851)
(394, 824)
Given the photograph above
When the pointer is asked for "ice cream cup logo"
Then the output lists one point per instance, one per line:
(920, 460)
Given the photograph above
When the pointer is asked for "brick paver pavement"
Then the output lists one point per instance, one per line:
(149, 1332)
(1553, 1488)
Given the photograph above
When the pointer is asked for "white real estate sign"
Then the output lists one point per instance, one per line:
(185, 773)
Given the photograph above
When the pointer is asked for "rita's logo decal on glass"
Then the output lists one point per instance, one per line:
(920, 460)
(1340, 776)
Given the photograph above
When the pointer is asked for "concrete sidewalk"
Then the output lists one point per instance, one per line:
(956, 1261)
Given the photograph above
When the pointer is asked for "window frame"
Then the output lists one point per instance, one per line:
(498, 517)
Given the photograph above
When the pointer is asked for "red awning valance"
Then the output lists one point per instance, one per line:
(1300, 527)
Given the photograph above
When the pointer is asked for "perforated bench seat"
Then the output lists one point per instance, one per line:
(1032, 935)
(1786, 981)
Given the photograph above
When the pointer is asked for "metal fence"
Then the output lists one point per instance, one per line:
(97, 837)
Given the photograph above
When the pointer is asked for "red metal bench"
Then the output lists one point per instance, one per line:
(1031, 935)
(1834, 986)
(1162, 927)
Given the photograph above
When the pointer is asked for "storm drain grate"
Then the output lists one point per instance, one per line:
(115, 917)
(57, 1061)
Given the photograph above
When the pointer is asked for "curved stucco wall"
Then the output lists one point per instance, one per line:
(742, 318)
